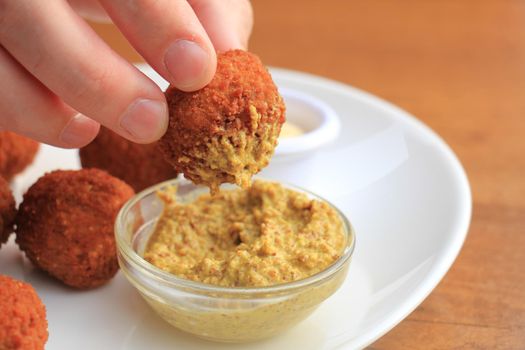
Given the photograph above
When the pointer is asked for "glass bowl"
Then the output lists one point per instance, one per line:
(213, 312)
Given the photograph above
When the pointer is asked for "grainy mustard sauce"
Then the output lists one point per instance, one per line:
(259, 236)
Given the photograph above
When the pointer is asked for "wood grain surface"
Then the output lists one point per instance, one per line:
(459, 66)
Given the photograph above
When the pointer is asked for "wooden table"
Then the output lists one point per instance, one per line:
(459, 66)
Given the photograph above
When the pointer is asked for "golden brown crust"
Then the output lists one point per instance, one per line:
(241, 80)
(138, 165)
(65, 225)
(16, 153)
(241, 88)
(23, 323)
(7, 211)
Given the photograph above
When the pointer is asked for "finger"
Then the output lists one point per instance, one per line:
(168, 34)
(228, 22)
(67, 56)
(28, 108)
(90, 9)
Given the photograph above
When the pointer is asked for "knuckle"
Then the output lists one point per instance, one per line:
(100, 77)
(91, 85)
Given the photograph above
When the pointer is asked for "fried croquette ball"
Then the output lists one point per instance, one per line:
(65, 225)
(7, 211)
(23, 324)
(138, 165)
(16, 153)
(227, 131)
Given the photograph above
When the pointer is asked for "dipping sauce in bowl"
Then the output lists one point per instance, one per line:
(290, 129)
(241, 266)
(260, 236)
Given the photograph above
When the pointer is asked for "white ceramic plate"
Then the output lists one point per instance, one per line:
(399, 183)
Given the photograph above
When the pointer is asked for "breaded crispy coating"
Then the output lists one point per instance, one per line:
(23, 323)
(227, 131)
(7, 211)
(16, 153)
(65, 225)
(139, 165)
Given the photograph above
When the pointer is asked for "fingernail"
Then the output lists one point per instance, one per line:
(145, 120)
(77, 130)
(186, 62)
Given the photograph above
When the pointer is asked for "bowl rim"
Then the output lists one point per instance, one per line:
(149, 270)
(324, 134)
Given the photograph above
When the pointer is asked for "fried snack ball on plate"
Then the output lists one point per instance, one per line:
(23, 324)
(138, 165)
(65, 225)
(16, 153)
(227, 131)
(7, 211)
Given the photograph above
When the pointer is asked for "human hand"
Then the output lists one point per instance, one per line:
(59, 80)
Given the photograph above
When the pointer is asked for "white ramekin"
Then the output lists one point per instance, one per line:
(317, 119)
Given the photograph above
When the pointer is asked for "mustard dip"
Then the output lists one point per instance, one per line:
(260, 236)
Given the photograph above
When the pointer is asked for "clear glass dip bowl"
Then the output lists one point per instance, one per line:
(212, 312)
